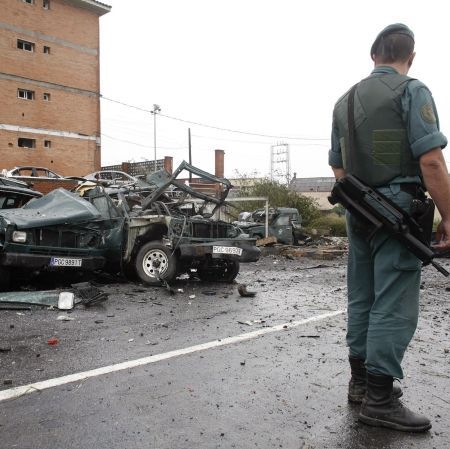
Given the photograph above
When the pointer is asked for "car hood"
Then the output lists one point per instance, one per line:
(57, 207)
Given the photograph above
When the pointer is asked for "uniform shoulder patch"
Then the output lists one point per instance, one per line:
(427, 113)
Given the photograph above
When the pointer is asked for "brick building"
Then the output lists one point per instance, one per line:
(50, 84)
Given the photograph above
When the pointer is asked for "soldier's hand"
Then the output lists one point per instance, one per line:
(442, 236)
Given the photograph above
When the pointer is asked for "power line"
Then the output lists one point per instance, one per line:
(258, 142)
(139, 144)
(248, 133)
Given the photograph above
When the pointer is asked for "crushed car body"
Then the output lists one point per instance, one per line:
(156, 238)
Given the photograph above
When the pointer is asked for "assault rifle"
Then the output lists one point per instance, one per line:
(379, 212)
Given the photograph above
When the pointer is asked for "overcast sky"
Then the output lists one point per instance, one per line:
(264, 68)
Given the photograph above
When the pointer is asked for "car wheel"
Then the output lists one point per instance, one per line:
(5, 279)
(154, 262)
(220, 271)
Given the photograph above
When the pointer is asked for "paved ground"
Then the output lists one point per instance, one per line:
(282, 389)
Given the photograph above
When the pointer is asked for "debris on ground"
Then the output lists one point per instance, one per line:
(89, 294)
(66, 301)
(52, 341)
(251, 322)
(65, 318)
(37, 298)
(318, 252)
(5, 347)
(242, 289)
(267, 241)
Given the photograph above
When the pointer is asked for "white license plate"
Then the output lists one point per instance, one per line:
(227, 250)
(65, 262)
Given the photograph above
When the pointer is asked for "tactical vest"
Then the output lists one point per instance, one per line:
(381, 148)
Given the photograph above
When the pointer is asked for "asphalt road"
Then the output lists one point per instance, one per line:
(213, 370)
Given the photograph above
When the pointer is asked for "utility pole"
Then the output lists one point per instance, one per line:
(190, 154)
(156, 110)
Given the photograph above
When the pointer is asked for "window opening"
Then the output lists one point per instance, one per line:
(47, 143)
(28, 1)
(25, 94)
(46, 96)
(25, 45)
(46, 4)
(26, 143)
(46, 50)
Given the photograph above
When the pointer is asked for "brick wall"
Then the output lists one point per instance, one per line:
(67, 157)
(69, 74)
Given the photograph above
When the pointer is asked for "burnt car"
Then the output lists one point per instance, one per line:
(25, 172)
(155, 240)
(14, 193)
(284, 223)
(15, 197)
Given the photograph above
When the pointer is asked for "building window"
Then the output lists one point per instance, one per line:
(46, 4)
(47, 143)
(25, 94)
(28, 1)
(25, 45)
(46, 96)
(26, 143)
(46, 50)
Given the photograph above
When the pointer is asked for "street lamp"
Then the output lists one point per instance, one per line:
(156, 109)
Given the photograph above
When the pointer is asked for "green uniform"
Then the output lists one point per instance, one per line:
(383, 276)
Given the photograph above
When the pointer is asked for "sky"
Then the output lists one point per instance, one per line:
(245, 75)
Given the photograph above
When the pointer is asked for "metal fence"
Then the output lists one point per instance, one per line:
(137, 168)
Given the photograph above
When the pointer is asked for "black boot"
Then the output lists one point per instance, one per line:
(358, 382)
(379, 408)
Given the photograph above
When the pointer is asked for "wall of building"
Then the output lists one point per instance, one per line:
(64, 81)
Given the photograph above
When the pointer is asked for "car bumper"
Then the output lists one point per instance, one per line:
(41, 262)
(248, 252)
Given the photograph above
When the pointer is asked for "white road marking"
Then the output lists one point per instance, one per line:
(16, 392)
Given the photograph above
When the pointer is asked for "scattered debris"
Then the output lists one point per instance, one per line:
(89, 294)
(37, 298)
(52, 341)
(191, 296)
(5, 347)
(65, 318)
(242, 289)
(66, 301)
(251, 322)
(268, 241)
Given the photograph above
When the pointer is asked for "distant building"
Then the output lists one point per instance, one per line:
(316, 188)
(50, 84)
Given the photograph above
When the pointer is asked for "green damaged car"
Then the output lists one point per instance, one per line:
(156, 238)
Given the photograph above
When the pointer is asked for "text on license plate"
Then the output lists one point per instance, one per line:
(65, 262)
(227, 250)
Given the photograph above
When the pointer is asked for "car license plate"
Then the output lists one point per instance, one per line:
(65, 262)
(227, 250)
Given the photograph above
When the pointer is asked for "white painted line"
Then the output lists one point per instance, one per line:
(16, 392)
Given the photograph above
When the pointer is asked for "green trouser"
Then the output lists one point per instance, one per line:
(383, 295)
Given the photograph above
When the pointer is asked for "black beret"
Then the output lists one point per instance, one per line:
(395, 28)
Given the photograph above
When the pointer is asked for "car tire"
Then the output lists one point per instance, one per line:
(155, 262)
(224, 271)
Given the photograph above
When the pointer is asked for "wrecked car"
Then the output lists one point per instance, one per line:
(14, 194)
(156, 240)
(284, 223)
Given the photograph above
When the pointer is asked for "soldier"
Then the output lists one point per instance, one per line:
(386, 132)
